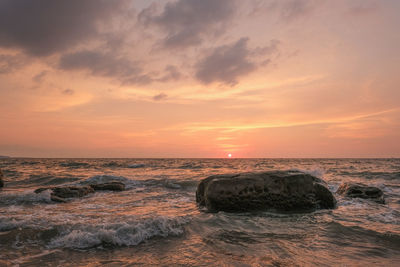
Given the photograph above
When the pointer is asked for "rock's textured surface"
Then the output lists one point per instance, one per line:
(112, 186)
(275, 190)
(357, 190)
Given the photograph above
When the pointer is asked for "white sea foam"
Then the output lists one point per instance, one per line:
(98, 179)
(127, 233)
(317, 172)
(137, 165)
(24, 197)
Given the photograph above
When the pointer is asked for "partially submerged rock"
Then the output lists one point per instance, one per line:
(59, 194)
(1, 179)
(112, 186)
(357, 190)
(72, 191)
(274, 190)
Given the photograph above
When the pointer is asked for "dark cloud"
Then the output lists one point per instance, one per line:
(10, 63)
(111, 65)
(229, 62)
(43, 27)
(187, 22)
(285, 10)
(294, 9)
(160, 96)
(100, 64)
(171, 74)
(39, 77)
(68, 92)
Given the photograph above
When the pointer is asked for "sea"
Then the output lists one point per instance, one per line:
(156, 222)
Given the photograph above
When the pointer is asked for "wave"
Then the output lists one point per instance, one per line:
(373, 175)
(127, 233)
(24, 197)
(74, 164)
(129, 183)
(86, 234)
(190, 166)
(356, 233)
(136, 165)
(317, 172)
(99, 179)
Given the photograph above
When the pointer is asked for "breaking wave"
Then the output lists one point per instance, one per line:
(127, 233)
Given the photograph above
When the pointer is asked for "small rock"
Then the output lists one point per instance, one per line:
(112, 186)
(274, 190)
(72, 191)
(59, 194)
(357, 190)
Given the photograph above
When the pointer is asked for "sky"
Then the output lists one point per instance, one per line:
(200, 78)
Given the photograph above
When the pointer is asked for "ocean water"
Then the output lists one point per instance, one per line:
(156, 222)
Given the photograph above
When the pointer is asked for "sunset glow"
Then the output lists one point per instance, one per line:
(190, 79)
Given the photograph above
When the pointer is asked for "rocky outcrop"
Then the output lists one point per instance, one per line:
(357, 190)
(112, 186)
(60, 194)
(1, 179)
(275, 190)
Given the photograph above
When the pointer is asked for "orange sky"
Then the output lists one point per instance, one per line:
(190, 78)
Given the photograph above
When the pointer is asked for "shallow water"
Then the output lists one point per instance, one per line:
(156, 221)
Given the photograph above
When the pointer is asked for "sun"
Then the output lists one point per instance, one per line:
(229, 155)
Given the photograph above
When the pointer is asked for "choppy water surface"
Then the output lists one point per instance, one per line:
(156, 220)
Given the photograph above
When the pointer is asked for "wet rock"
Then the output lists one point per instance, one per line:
(357, 190)
(290, 191)
(1, 179)
(59, 194)
(112, 186)
(72, 191)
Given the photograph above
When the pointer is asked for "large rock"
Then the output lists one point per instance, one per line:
(357, 190)
(112, 186)
(1, 179)
(275, 190)
(59, 194)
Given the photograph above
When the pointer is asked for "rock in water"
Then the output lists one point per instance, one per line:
(274, 190)
(112, 186)
(1, 179)
(72, 191)
(59, 194)
(355, 190)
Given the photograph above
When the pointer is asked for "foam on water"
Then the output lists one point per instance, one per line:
(126, 233)
(137, 165)
(24, 197)
(316, 172)
(98, 179)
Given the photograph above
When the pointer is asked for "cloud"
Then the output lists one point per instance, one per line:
(68, 92)
(10, 63)
(160, 96)
(287, 10)
(294, 9)
(101, 64)
(229, 62)
(171, 74)
(112, 65)
(44, 27)
(188, 22)
(39, 77)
